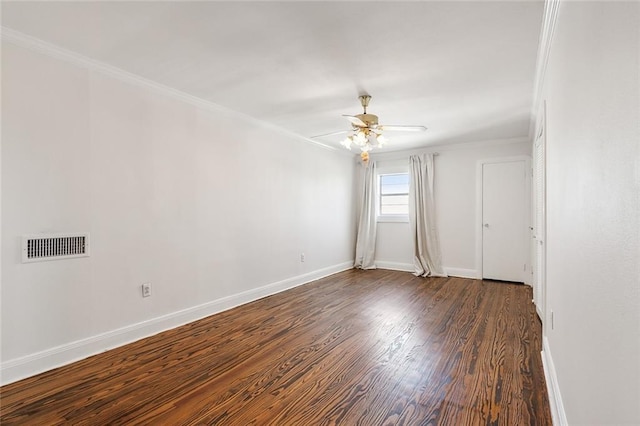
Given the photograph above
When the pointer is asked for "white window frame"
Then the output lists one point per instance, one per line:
(389, 170)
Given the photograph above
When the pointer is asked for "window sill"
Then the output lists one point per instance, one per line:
(393, 218)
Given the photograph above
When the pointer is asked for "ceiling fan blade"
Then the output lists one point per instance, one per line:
(396, 128)
(341, 132)
(355, 120)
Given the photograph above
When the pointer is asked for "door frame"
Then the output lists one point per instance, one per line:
(540, 294)
(526, 234)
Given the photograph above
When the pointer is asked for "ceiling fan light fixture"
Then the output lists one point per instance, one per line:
(366, 132)
(360, 138)
(346, 142)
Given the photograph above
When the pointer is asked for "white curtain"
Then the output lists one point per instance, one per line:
(366, 238)
(427, 260)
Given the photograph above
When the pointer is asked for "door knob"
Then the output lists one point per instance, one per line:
(486, 225)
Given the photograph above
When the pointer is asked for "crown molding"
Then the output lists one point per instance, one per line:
(438, 148)
(549, 19)
(40, 46)
(480, 143)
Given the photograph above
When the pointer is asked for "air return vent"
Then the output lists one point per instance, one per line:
(37, 248)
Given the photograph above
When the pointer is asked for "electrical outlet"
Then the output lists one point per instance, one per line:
(302, 257)
(146, 289)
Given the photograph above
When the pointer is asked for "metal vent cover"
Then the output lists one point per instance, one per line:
(41, 247)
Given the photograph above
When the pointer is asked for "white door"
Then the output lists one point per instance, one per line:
(504, 227)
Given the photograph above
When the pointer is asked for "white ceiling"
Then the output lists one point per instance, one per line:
(463, 69)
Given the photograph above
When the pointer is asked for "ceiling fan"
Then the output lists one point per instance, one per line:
(366, 132)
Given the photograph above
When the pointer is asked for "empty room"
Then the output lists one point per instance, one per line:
(320, 213)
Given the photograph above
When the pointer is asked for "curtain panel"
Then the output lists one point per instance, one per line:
(366, 237)
(427, 259)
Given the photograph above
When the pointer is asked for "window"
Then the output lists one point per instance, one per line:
(393, 200)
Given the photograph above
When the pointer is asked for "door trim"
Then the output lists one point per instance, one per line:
(541, 301)
(527, 195)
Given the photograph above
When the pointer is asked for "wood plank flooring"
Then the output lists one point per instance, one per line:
(356, 348)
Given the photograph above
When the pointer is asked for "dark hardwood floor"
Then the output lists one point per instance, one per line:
(356, 348)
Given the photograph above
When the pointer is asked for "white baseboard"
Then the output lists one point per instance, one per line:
(558, 416)
(394, 266)
(408, 267)
(539, 312)
(32, 364)
(462, 273)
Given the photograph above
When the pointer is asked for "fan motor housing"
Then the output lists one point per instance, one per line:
(370, 119)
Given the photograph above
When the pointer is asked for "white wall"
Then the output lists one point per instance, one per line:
(455, 199)
(208, 206)
(592, 92)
